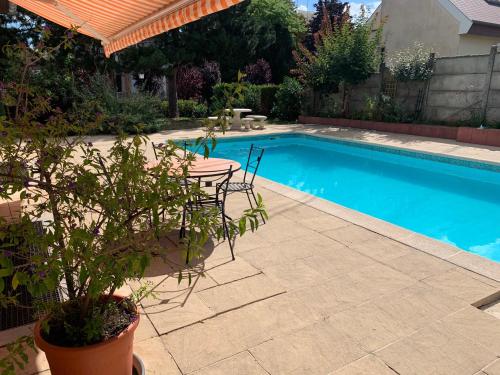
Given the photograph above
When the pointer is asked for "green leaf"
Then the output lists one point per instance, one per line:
(15, 281)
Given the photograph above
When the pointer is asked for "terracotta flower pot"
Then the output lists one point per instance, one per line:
(111, 357)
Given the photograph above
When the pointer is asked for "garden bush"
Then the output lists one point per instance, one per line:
(189, 83)
(258, 73)
(259, 98)
(412, 64)
(188, 108)
(288, 102)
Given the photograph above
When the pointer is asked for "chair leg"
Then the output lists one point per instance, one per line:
(226, 234)
(255, 199)
(182, 232)
(249, 199)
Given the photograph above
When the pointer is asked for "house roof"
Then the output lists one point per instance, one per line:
(479, 11)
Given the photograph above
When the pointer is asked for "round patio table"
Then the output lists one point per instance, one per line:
(205, 167)
(236, 124)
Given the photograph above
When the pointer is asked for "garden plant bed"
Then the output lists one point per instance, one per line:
(486, 137)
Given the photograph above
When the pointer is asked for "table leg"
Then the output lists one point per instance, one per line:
(236, 121)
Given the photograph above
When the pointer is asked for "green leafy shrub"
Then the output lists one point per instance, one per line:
(259, 98)
(267, 98)
(188, 108)
(412, 64)
(288, 102)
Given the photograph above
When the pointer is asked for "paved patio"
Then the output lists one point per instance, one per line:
(316, 292)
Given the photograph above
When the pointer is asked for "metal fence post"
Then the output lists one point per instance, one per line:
(487, 84)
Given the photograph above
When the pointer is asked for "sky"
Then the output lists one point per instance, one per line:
(355, 5)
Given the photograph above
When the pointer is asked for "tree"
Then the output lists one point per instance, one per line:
(333, 9)
(345, 55)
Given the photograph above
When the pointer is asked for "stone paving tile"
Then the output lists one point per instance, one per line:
(317, 349)
(289, 250)
(493, 368)
(380, 279)
(332, 262)
(225, 335)
(156, 357)
(461, 285)
(438, 351)
(322, 223)
(371, 326)
(476, 263)
(393, 316)
(352, 234)
(419, 265)
(171, 314)
(145, 330)
(477, 326)
(382, 250)
(225, 270)
(280, 229)
(352, 289)
(239, 293)
(493, 309)
(240, 364)
(298, 211)
(419, 305)
(369, 365)
(294, 275)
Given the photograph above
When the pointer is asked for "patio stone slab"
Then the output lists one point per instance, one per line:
(239, 293)
(478, 264)
(290, 250)
(382, 250)
(435, 350)
(156, 358)
(145, 330)
(294, 275)
(493, 368)
(281, 229)
(242, 363)
(477, 326)
(419, 265)
(461, 285)
(333, 262)
(369, 365)
(352, 234)
(317, 349)
(391, 317)
(225, 335)
(184, 310)
(322, 223)
(371, 326)
(225, 270)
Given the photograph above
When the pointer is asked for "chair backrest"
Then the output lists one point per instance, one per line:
(156, 148)
(253, 162)
(213, 183)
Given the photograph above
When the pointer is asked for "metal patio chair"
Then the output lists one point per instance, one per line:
(247, 185)
(215, 187)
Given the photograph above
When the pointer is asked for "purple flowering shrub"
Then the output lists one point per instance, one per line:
(258, 73)
(189, 83)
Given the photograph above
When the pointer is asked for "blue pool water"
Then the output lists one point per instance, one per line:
(450, 200)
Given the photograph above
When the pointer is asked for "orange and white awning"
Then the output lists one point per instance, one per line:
(122, 23)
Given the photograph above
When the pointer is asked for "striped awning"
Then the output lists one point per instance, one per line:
(122, 23)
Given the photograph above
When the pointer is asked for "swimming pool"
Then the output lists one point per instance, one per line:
(451, 200)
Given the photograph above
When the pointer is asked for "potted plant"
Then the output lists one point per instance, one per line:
(103, 214)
